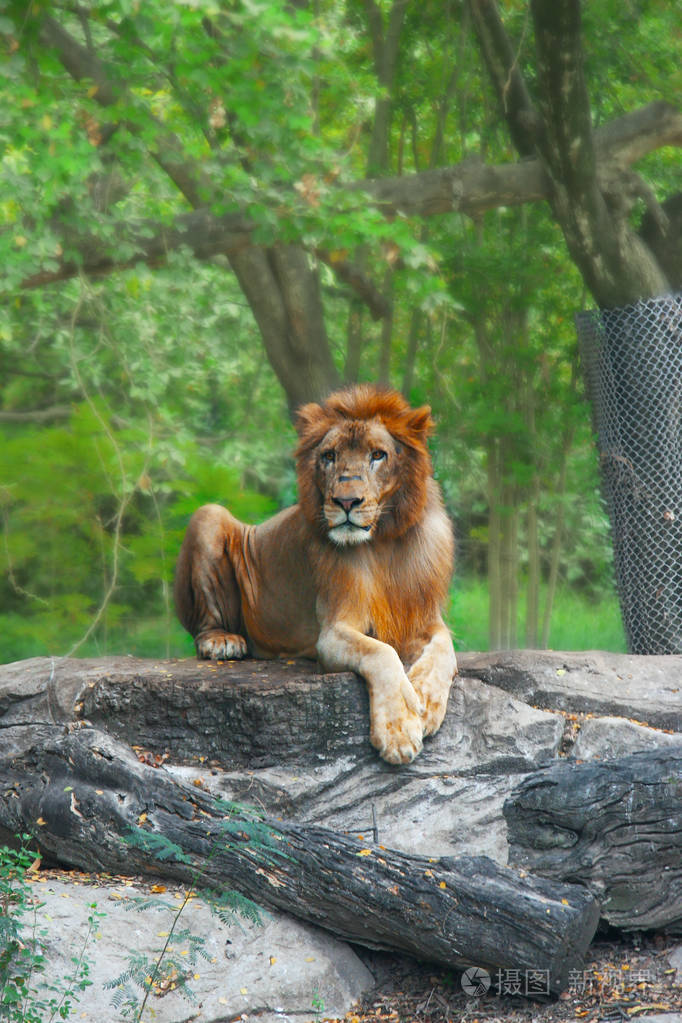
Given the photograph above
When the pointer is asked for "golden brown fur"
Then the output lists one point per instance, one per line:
(355, 573)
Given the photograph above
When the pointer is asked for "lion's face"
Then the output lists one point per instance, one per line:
(363, 464)
(357, 474)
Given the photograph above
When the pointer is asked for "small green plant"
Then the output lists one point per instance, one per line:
(170, 970)
(317, 1003)
(25, 996)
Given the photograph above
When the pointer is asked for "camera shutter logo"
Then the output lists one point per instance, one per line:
(475, 981)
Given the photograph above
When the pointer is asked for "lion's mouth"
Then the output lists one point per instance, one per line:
(349, 532)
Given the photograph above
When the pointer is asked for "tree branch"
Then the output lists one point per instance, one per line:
(41, 415)
(167, 151)
(572, 168)
(586, 176)
(470, 188)
(515, 103)
(616, 265)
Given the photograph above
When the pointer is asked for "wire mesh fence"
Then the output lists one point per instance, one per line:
(632, 359)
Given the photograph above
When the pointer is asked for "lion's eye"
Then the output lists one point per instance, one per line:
(378, 455)
(328, 457)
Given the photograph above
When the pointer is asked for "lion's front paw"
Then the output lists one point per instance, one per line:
(216, 645)
(435, 700)
(432, 686)
(434, 693)
(396, 726)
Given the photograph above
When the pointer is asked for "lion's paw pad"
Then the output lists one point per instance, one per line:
(399, 741)
(221, 646)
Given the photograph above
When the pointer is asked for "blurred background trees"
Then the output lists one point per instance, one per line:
(212, 212)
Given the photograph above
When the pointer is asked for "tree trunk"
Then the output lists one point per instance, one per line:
(590, 202)
(90, 803)
(416, 320)
(616, 265)
(385, 45)
(616, 825)
(533, 580)
(354, 343)
(557, 539)
(495, 583)
(283, 290)
(384, 367)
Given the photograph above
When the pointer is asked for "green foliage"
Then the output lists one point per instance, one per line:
(580, 621)
(25, 997)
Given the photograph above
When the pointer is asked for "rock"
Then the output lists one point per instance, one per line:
(605, 738)
(662, 1017)
(276, 972)
(295, 742)
(283, 736)
(646, 688)
(85, 793)
(675, 960)
(447, 802)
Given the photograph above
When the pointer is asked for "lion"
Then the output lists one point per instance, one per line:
(355, 574)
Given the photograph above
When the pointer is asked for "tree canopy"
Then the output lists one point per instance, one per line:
(210, 206)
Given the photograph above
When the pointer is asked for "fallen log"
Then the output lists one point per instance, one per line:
(82, 794)
(615, 826)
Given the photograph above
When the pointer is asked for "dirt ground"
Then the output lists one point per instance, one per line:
(625, 977)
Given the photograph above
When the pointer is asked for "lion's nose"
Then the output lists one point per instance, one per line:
(348, 503)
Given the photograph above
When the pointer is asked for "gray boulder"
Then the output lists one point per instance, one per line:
(648, 689)
(279, 971)
(609, 737)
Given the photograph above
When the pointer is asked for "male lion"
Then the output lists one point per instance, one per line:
(355, 573)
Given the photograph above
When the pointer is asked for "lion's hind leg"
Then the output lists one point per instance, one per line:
(217, 645)
(207, 595)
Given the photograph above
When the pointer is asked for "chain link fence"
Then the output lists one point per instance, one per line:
(632, 359)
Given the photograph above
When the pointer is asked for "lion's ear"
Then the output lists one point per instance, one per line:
(420, 423)
(307, 416)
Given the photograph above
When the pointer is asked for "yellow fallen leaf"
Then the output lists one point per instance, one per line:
(442, 885)
(365, 852)
(243, 991)
(273, 960)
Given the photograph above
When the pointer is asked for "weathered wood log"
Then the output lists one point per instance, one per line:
(615, 826)
(81, 792)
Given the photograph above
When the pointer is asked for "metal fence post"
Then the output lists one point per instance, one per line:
(632, 362)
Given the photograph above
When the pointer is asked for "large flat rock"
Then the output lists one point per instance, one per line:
(648, 689)
(447, 802)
